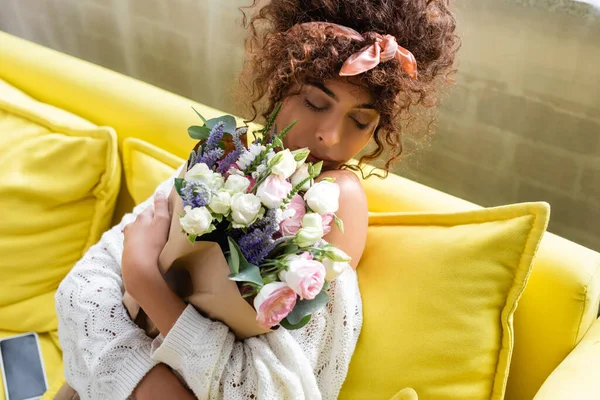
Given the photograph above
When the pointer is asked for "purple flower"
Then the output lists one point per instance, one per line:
(258, 243)
(256, 246)
(215, 136)
(239, 146)
(210, 157)
(194, 194)
(228, 161)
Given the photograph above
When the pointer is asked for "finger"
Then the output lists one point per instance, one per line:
(161, 206)
(145, 215)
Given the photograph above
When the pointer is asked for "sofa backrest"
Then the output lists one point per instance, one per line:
(561, 300)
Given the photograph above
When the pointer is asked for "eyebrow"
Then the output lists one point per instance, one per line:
(329, 93)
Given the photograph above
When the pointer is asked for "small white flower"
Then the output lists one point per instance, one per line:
(196, 221)
(234, 171)
(237, 184)
(300, 175)
(323, 197)
(201, 173)
(335, 261)
(311, 231)
(247, 157)
(301, 155)
(334, 268)
(283, 164)
(245, 209)
(260, 170)
(220, 203)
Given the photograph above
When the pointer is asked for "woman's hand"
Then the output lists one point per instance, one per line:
(144, 240)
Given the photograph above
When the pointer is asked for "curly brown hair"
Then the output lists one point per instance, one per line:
(281, 55)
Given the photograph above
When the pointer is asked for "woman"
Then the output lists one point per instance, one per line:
(347, 70)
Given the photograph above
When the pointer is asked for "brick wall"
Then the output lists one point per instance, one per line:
(522, 124)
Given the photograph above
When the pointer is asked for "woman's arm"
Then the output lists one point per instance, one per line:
(105, 354)
(308, 363)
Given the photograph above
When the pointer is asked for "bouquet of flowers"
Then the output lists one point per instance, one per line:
(263, 207)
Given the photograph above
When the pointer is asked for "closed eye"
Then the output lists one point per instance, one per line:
(314, 107)
(359, 125)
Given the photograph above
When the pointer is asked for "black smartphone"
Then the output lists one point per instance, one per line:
(22, 367)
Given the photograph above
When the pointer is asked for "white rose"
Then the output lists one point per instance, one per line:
(220, 203)
(196, 221)
(300, 175)
(237, 184)
(311, 231)
(283, 164)
(323, 197)
(273, 190)
(201, 173)
(245, 209)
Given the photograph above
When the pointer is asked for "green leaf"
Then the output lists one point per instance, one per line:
(234, 256)
(221, 145)
(290, 327)
(272, 117)
(277, 142)
(248, 273)
(316, 169)
(200, 115)
(339, 223)
(192, 238)
(326, 285)
(241, 269)
(269, 278)
(199, 132)
(178, 185)
(287, 129)
(228, 120)
(305, 308)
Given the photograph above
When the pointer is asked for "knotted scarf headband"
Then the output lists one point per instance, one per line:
(384, 49)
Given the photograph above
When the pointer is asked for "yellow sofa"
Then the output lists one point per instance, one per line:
(557, 330)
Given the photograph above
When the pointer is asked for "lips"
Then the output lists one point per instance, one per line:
(312, 159)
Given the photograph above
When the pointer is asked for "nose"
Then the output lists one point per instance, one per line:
(330, 132)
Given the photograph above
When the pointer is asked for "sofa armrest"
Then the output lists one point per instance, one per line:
(577, 376)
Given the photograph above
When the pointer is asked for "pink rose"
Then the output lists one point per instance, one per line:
(327, 220)
(304, 275)
(273, 303)
(292, 216)
(273, 190)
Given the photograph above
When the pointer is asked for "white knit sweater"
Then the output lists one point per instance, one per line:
(106, 355)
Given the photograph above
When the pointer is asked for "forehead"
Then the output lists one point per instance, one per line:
(349, 90)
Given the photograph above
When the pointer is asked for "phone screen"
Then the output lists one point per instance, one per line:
(22, 367)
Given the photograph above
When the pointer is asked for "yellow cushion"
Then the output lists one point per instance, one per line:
(51, 354)
(439, 292)
(146, 166)
(60, 178)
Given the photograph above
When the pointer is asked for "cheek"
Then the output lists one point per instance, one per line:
(301, 133)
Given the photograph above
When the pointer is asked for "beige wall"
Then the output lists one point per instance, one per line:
(522, 124)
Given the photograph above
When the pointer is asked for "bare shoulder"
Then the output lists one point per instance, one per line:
(353, 211)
